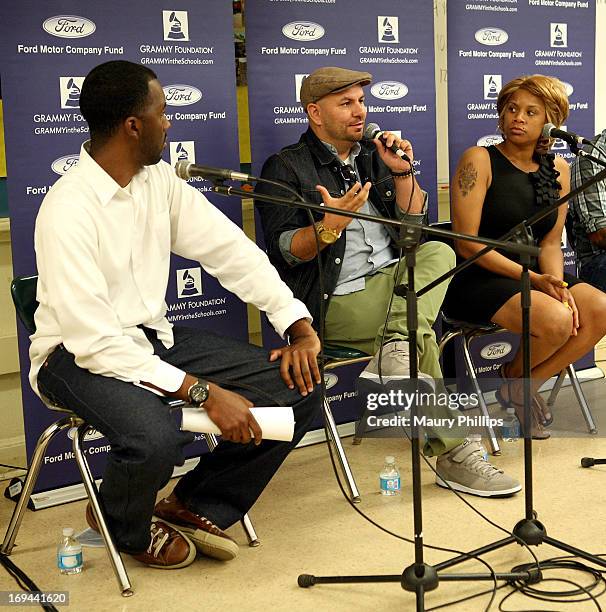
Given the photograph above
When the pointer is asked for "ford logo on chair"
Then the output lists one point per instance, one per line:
(496, 350)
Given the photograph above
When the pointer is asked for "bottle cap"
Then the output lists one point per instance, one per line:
(390, 459)
(68, 532)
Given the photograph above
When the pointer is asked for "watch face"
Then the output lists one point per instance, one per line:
(198, 393)
(328, 237)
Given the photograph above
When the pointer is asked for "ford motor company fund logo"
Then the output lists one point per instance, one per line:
(491, 36)
(489, 139)
(568, 87)
(389, 90)
(496, 350)
(303, 30)
(69, 26)
(330, 380)
(62, 164)
(181, 95)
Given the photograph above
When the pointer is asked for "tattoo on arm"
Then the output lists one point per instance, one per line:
(467, 178)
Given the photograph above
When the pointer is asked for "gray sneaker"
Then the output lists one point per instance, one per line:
(465, 469)
(395, 365)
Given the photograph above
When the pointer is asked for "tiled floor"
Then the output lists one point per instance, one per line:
(306, 527)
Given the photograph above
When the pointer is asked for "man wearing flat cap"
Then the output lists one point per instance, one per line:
(333, 164)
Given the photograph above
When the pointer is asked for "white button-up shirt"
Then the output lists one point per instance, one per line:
(103, 255)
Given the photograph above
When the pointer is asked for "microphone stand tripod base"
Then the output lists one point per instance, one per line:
(531, 531)
(419, 577)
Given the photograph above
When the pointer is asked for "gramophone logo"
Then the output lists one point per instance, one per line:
(298, 81)
(558, 34)
(492, 86)
(182, 150)
(176, 26)
(69, 88)
(63, 164)
(388, 31)
(189, 282)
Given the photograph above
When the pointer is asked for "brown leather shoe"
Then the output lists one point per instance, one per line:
(209, 539)
(168, 548)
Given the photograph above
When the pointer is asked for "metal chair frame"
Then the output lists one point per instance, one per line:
(470, 332)
(23, 293)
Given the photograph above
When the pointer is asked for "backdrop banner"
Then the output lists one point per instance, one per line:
(392, 40)
(47, 50)
(491, 42)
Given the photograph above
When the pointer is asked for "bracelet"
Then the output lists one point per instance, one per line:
(402, 174)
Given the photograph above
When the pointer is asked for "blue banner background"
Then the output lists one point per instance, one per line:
(47, 49)
(494, 42)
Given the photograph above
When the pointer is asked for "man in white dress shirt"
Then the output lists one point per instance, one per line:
(104, 347)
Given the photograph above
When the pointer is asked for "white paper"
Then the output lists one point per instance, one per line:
(276, 422)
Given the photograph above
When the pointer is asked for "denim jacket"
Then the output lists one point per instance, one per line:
(302, 166)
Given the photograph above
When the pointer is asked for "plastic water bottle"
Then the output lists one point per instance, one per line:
(510, 430)
(69, 553)
(478, 438)
(390, 477)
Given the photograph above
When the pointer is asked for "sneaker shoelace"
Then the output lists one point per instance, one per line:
(158, 538)
(475, 461)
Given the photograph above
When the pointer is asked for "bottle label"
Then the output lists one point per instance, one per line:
(69, 561)
(390, 484)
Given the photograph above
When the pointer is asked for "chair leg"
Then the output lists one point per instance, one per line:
(93, 496)
(32, 475)
(574, 381)
(492, 438)
(251, 534)
(556, 388)
(333, 434)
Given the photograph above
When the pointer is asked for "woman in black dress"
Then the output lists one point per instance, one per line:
(494, 189)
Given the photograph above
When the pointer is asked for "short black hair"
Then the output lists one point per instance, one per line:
(111, 92)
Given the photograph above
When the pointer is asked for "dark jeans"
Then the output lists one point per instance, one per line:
(594, 271)
(146, 442)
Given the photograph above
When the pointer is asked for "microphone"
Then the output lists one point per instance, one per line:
(186, 169)
(589, 461)
(551, 131)
(373, 131)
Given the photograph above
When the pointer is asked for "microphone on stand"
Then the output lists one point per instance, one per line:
(590, 461)
(551, 131)
(373, 131)
(186, 170)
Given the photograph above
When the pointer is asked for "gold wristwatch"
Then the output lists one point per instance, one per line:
(327, 235)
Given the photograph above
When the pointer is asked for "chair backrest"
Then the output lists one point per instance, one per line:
(23, 292)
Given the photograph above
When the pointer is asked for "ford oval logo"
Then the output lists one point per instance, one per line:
(568, 87)
(491, 36)
(65, 163)
(330, 380)
(389, 90)
(496, 350)
(303, 30)
(181, 95)
(69, 26)
(91, 434)
(489, 139)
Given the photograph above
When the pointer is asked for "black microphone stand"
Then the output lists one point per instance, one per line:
(421, 577)
(418, 577)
